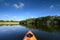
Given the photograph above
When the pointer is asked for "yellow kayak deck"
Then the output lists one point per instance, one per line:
(29, 36)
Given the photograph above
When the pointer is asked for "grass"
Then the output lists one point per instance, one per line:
(9, 22)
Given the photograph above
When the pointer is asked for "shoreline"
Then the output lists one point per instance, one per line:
(6, 23)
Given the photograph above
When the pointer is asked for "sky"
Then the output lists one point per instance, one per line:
(24, 9)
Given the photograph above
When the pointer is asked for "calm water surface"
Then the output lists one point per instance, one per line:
(17, 32)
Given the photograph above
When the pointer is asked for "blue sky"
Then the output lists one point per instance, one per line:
(24, 9)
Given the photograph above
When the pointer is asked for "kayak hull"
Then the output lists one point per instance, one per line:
(32, 38)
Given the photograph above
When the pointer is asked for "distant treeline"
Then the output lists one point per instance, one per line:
(47, 20)
(8, 21)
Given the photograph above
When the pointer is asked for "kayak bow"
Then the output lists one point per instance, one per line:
(29, 36)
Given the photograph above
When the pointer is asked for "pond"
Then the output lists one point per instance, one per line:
(17, 32)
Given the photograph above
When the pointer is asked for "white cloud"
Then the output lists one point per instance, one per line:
(14, 17)
(20, 5)
(51, 6)
(7, 16)
(15, 5)
(32, 17)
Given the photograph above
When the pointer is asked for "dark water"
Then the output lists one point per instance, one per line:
(17, 32)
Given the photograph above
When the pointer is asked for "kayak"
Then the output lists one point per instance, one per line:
(29, 36)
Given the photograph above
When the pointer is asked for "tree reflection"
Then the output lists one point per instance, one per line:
(51, 28)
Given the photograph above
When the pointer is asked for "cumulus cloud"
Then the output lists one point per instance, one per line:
(16, 5)
(20, 5)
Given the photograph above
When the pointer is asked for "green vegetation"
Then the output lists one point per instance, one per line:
(48, 20)
(48, 23)
(3, 22)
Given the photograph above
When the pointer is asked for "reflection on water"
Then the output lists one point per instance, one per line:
(8, 24)
(17, 32)
(47, 28)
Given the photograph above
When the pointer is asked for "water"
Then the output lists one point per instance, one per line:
(17, 32)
